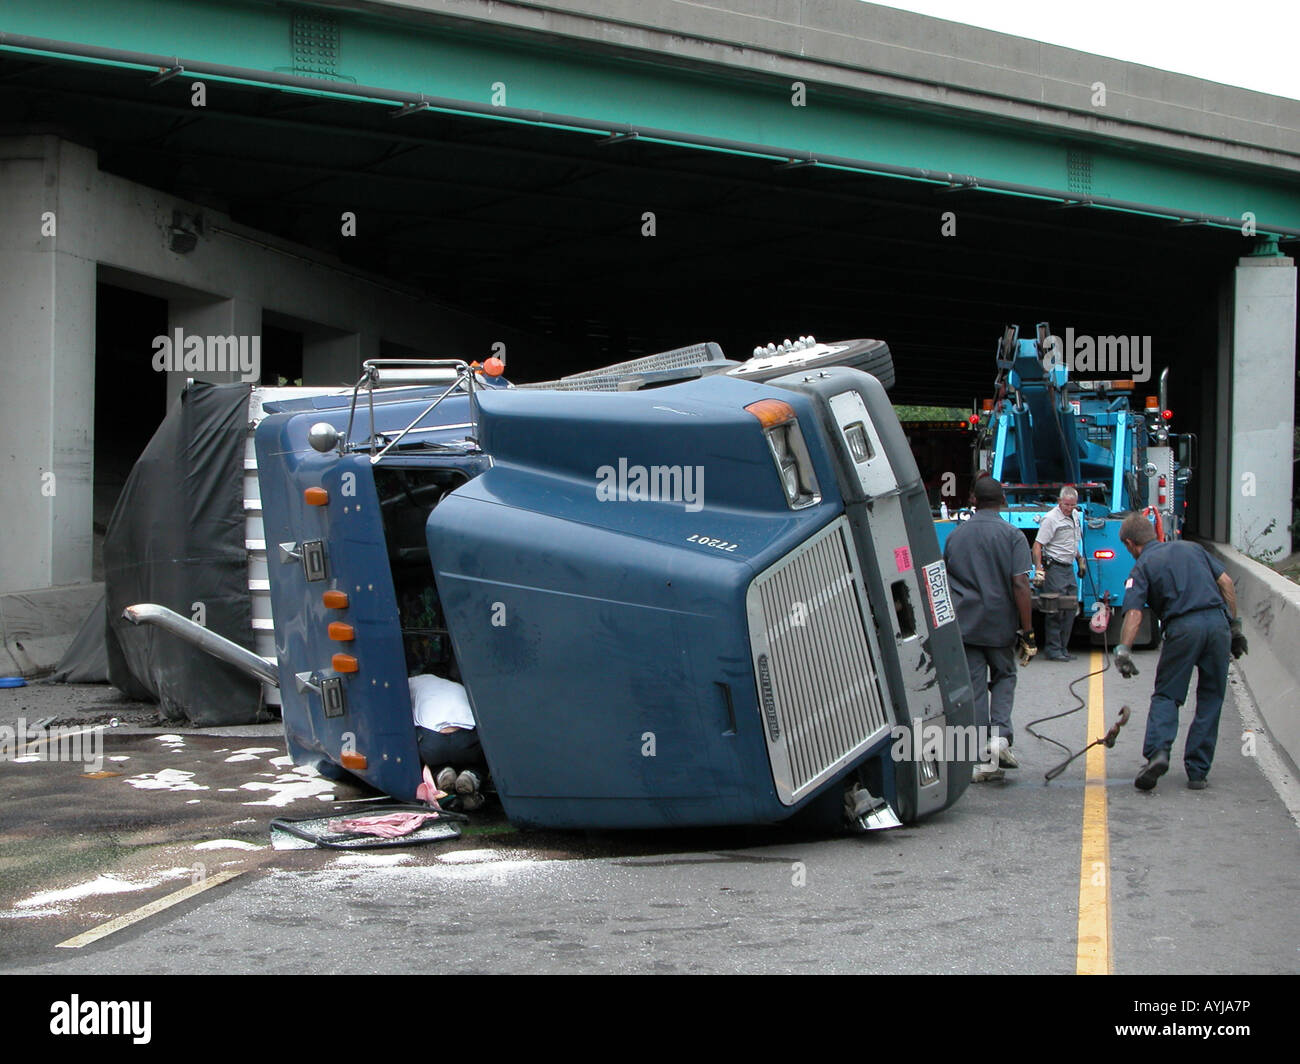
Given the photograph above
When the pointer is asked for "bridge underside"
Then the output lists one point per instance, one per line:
(543, 230)
(590, 248)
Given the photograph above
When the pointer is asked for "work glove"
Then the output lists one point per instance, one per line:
(1040, 577)
(1026, 647)
(1124, 661)
(1238, 638)
(1083, 568)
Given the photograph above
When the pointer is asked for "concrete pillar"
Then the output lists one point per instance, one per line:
(215, 322)
(1263, 404)
(47, 393)
(335, 359)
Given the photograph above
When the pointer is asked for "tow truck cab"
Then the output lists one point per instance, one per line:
(712, 602)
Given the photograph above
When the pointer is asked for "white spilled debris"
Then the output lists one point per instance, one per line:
(282, 840)
(194, 801)
(285, 789)
(470, 856)
(56, 902)
(251, 753)
(228, 844)
(373, 860)
(170, 742)
(119, 757)
(283, 761)
(168, 779)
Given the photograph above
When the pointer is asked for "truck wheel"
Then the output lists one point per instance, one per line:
(870, 356)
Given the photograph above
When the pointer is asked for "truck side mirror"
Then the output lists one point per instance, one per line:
(1185, 451)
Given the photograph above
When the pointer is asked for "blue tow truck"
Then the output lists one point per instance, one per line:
(678, 591)
(1043, 431)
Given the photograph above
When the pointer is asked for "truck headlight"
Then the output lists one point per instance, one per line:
(793, 463)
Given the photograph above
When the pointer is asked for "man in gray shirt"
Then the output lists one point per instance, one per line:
(1058, 548)
(988, 575)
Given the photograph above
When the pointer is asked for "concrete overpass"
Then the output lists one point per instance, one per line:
(837, 167)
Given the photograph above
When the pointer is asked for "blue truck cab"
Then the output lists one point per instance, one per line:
(694, 596)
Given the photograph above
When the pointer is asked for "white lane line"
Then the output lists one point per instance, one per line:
(1275, 770)
(145, 911)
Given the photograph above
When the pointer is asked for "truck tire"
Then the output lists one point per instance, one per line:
(870, 356)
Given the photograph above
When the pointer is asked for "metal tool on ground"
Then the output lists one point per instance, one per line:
(1109, 739)
(1080, 704)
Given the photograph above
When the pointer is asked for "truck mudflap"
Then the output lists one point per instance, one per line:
(887, 508)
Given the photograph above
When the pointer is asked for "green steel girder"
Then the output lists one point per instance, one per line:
(393, 63)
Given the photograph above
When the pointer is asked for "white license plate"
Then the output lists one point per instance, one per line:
(936, 584)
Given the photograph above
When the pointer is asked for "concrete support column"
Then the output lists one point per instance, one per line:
(228, 328)
(47, 341)
(335, 359)
(1263, 404)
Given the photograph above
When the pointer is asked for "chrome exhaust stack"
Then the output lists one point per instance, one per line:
(209, 642)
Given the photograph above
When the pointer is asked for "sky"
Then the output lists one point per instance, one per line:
(1254, 44)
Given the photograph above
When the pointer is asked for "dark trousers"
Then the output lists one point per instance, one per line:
(459, 748)
(1059, 623)
(1198, 640)
(993, 680)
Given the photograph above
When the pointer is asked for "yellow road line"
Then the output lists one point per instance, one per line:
(136, 915)
(1093, 956)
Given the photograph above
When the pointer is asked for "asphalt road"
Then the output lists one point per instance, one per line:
(1197, 882)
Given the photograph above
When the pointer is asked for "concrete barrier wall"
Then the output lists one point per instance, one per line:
(1269, 607)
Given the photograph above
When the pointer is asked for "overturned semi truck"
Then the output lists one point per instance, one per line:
(679, 591)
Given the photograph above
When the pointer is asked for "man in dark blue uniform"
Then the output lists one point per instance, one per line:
(1196, 602)
(988, 574)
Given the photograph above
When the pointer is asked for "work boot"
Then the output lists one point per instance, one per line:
(1154, 769)
(468, 782)
(446, 779)
(984, 772)
(1000, 751)
(1197, 784)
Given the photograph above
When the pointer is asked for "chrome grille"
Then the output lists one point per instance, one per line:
(815, 659)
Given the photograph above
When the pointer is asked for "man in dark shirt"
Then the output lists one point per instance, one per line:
(988, 574)
(1197, 604)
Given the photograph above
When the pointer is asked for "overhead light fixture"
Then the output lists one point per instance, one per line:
(184, 232)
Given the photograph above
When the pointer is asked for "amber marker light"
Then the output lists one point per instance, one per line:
(771, 412)
(335, 600)
(344, 663)
(342, 633)
(355, 762)
(1153, 402)
(1103, 555)
(316, 496)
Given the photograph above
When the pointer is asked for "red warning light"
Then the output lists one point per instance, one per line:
(494, 367)
(1168, 415)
